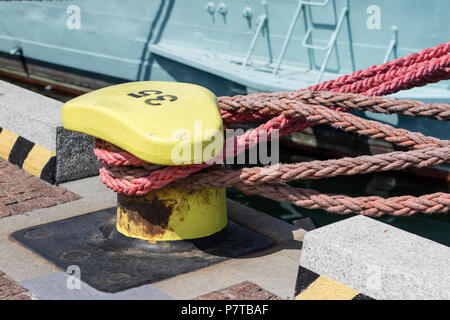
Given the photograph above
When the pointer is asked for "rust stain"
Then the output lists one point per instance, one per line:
(151, 215)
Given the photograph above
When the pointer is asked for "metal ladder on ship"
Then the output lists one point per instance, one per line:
(302, 5)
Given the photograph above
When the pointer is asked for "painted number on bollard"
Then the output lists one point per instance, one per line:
(154, 101)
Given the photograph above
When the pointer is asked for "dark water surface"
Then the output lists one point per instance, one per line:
(434, 227)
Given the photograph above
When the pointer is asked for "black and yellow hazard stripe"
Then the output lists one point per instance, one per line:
(29, 156)
(312, 286)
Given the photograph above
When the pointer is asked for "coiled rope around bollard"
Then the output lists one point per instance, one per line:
(290, 112)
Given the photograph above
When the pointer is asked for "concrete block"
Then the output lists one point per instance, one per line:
(378, 260)
(75, 156)
(33, 138)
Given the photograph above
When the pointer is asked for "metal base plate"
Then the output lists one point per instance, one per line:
(111, 262)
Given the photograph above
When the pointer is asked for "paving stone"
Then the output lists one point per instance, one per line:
(18, 208)
(10, 290)
(4, 212)
(27, 195)
(213, 296)
(7, 200)
(41, 202)
(242, 291)
(22, 296)
(21, 192)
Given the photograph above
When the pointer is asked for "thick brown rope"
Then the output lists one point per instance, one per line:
(331, 168)
(344, 121)
(317, 169)
(265, 104)
(312, 199)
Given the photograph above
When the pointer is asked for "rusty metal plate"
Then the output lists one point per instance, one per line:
(111, 262)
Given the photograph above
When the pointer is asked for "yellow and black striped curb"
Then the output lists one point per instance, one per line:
(312, 286)
(29, 156)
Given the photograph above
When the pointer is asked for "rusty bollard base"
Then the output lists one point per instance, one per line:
(172, 214)
(112, 262)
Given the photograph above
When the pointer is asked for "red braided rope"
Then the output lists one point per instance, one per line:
(109, 156)
(360, 81)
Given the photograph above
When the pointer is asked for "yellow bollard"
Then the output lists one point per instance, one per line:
(168, 231)
(145, 119)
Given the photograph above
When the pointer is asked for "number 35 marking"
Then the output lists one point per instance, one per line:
(161, 98)
(154, 101)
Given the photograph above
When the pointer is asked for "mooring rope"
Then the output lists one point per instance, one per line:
(311, 199)
(290, 112)
(364, 80)
(264, 106)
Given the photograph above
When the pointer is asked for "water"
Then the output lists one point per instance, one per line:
(433, 227)
(388, 184)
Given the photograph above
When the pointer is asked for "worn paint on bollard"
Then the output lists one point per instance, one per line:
(172, 214)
